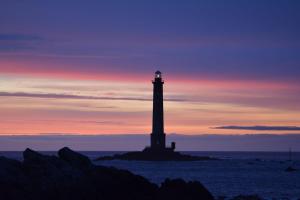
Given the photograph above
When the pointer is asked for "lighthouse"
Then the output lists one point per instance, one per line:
(158, 136)
(157, 151)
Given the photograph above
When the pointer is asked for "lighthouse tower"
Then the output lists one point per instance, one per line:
(158, 136)
(157, 151)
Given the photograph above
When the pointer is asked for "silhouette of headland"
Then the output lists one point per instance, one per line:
(71, 175)
(157, 151)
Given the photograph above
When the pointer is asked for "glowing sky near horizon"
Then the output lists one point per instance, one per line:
(86, 67)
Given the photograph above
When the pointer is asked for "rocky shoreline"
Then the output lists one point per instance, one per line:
(71, 175)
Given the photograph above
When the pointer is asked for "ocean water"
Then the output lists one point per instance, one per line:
(260, 173)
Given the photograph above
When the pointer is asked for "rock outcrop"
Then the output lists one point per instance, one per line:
(290, 169)
(247, 197)
(74, 159)
(73, 176)
(178, 189)
(155, 156)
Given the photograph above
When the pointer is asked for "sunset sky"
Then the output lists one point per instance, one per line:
(85, 67)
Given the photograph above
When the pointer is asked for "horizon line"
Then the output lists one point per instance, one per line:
(141, 134)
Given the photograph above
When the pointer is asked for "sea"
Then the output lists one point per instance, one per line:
(233, 174)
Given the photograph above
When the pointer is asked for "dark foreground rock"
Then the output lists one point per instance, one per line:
(155, 156)
(73, 176)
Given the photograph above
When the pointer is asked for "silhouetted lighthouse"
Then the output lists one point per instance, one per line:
(158, 136)
(158, 149)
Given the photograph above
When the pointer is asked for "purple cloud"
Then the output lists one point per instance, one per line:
(260, 128)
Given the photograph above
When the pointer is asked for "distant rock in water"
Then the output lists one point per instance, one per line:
(155, 156)
(73, 176)
(247, 197)
(290, 169)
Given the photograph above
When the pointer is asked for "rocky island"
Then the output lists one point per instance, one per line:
(148, 155)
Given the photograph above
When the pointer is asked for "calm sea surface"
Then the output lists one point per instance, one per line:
(237, 173)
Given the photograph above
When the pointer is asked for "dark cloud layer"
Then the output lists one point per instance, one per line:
(261, 128)
(19, 37)
(69, 96)
(10, 43)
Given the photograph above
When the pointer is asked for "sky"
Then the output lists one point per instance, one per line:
(85, 67)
